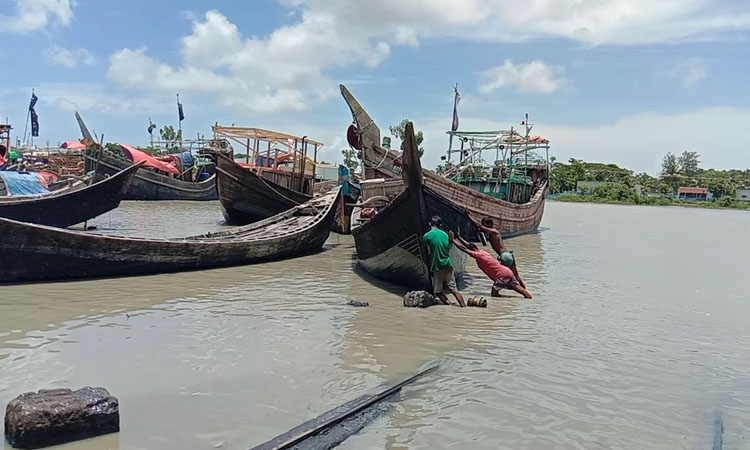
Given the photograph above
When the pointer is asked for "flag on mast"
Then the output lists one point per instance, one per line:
(151, 126)
(179, 109)
(34, 117)
(456, 99)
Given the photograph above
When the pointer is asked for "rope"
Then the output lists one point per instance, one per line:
(282, 195)
(385, 155)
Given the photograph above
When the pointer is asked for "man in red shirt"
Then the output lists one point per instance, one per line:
(502, 276)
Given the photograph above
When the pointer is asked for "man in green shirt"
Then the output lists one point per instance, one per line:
(438, 247)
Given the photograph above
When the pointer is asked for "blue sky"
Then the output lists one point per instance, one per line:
(619, 81)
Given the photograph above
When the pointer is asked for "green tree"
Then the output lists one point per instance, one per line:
(350, 159)
(719, 187)
(169, 135)
(669, 165)
(399, 130)
(689, 163)
(113, 147)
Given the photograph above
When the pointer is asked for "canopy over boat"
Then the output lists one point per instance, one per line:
(72, 145)
(23, 183)
(149, 161)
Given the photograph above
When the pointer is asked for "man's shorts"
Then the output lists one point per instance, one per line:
(442, 279)
(502, 283)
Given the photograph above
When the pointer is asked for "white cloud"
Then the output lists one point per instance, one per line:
(535, 76)
(613, 142)
(98, 98)
(688, 72)
(289, 69)
(281, 72)
(593, 22)
(35, 15)
(64, 57)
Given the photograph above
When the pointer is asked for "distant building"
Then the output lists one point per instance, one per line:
(327, 171)
(743, 194)
(693, 193)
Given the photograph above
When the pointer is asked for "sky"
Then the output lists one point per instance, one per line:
(618, 81)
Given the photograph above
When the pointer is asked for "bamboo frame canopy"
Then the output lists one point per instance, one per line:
(260, 134)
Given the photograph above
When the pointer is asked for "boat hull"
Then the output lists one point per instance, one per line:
(149, 185)
(247, 197)
(38, 253)
(389, 246)
(70, 206)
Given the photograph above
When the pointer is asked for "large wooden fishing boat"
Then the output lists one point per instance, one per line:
(276, 174)
(43, 253)
(70, 205)
(382, 167)
(151, 182)
(246, 196)
(389, 244)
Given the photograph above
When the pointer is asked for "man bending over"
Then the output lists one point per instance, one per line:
(501, 276)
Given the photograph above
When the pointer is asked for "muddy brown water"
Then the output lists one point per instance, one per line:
(638, 337)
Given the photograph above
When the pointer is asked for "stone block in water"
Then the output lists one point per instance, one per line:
(419, 299)
(55, 416)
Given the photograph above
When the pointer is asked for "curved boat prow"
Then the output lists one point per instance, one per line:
(368, 130)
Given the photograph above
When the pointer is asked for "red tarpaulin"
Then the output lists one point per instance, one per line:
(72, 145)
(149, 161)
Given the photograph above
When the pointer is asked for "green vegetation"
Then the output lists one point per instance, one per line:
(350, 159)
(171, 136)
(623, 184)
(399, 131)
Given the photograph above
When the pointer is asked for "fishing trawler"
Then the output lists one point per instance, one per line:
(511, 191)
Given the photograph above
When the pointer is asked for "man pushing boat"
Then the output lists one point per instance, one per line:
(501, 275)
(504, 255)
(441, 267)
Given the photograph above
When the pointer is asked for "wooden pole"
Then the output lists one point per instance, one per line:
(247, 151)
(294, 440)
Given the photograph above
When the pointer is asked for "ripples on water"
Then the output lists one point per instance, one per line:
(636, 338)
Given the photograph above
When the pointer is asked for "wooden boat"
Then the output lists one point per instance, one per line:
(270, 180)
(71, 205)
(389, 245)
(247, 196)
(148, 184)
(43, 253)
(350, 193)
(511, 219)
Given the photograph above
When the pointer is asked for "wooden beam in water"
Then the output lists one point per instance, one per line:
(290, 439)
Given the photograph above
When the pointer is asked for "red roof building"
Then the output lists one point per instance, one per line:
(692, 193)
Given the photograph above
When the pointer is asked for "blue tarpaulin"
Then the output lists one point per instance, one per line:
(22, 183)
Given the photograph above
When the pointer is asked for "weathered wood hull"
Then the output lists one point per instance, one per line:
(247, 197)
(42, 253)
(344, 208)
(389, 245)
(150, 185)
(511, 219)
(70, 206)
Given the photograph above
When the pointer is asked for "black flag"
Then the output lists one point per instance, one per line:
(181, 113)
(151, 127)
(34, 117)
(34, 124)
(456, 99)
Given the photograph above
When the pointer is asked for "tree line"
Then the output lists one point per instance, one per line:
(677, 170)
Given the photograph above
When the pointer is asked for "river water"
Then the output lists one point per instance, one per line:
(638, 338)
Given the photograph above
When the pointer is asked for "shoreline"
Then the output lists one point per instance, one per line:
(572, 198)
